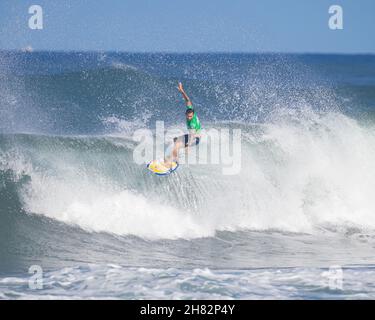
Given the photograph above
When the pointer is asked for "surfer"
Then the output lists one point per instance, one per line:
(193, 125)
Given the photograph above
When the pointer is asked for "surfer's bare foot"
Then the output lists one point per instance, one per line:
(167, 164)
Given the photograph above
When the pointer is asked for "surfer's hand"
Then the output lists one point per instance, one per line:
(180, 88)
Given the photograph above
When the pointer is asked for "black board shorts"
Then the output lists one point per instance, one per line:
(185, 138)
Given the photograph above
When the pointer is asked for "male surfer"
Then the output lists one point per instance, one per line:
(193, 125)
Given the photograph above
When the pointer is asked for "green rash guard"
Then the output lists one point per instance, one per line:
(194, 123)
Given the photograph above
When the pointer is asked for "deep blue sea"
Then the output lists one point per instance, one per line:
(300, 212)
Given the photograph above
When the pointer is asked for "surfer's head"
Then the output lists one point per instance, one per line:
(189, 114)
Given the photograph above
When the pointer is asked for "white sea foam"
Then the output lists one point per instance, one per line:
(108, 282)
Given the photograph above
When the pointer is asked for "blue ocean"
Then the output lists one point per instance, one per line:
(297, 221)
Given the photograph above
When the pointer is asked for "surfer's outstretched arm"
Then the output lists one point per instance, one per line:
(187, 99)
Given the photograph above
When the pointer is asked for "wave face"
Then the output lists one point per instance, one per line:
(71, 193)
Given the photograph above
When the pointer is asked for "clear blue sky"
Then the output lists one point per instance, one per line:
(190, 26)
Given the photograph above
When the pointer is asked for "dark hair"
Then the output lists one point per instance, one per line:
(188, 111)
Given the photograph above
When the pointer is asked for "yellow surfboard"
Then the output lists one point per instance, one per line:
(158, 167)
